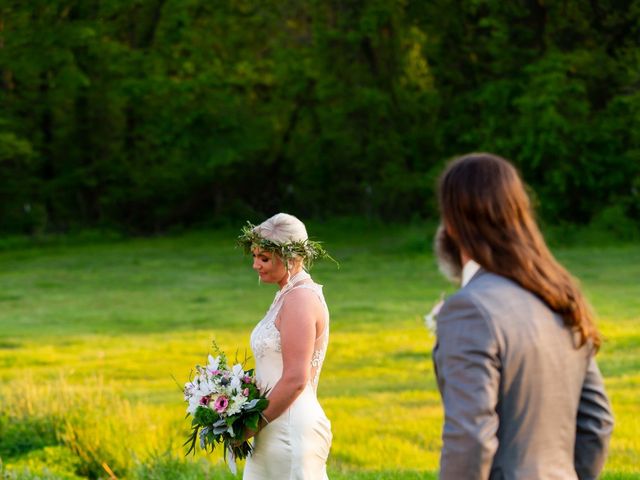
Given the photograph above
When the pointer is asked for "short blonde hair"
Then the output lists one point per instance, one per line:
(282, 228)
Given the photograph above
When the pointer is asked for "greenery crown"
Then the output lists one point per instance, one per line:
(308, 250)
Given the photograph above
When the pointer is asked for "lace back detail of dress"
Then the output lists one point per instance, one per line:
(266, 336)
(322, 342)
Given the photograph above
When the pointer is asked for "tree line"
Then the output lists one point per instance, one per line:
(146, 114)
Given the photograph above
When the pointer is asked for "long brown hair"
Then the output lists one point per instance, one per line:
(487, 211)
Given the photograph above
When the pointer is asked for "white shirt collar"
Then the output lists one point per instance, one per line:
(468, 271)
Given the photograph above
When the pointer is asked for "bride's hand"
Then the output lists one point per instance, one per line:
(248, 433)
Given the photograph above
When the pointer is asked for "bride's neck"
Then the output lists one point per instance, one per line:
(289, 275)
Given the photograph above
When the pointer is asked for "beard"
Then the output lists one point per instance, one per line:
(447, 255)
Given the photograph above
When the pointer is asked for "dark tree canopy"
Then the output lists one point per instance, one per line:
(146, 114)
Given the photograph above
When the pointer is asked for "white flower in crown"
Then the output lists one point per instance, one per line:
(430, 319)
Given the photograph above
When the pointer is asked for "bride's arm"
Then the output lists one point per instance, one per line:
(297, 325)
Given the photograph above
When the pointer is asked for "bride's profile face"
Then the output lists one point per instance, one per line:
(270, 267)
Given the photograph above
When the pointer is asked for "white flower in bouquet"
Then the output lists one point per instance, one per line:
(205, 388)
(214, 364)
(188, 390)
(237, 377)
(194, 403)
(235, 405)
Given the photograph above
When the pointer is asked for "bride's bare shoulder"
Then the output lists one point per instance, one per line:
(302, 299)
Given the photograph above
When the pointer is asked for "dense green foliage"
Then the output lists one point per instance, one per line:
(147, 114)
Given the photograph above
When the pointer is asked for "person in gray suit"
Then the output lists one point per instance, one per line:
(514, 357)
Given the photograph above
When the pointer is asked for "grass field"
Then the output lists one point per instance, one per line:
(92, 335)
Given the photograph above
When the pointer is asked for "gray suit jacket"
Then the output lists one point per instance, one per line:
(520, 400)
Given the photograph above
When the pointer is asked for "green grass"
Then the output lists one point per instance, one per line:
(92, 335)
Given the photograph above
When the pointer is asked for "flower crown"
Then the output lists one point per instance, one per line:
(308, 250)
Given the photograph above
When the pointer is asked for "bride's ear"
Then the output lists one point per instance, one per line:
(294, 262)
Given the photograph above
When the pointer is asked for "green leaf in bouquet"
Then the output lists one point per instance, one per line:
(210, 440)
(205, 416)
(252, 421)
(238, 428)
(262, 404)
(191, 441)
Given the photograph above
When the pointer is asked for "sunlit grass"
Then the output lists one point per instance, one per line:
(93, 336)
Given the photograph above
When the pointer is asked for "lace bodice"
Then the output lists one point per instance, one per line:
(266, 343)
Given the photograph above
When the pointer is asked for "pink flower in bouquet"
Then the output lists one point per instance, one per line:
(204, 401)
(221, 404)
(246, 379)
(245, 392)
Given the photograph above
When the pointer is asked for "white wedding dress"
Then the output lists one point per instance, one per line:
(294, 446)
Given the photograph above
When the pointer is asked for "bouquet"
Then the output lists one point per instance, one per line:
(224, 402)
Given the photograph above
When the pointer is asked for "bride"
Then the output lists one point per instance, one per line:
(289, 346)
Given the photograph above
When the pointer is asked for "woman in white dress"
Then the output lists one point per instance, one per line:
(289, 346)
